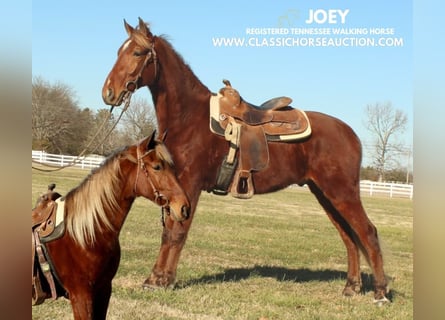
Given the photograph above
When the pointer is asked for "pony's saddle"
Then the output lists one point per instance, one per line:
(46, 219)
(249, 129)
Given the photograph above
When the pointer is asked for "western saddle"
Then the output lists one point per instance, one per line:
(249, 129)
(46, 218)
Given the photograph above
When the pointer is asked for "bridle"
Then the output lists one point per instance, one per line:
(159, 198)
(150, 56)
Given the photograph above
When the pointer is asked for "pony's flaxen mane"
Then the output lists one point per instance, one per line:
(86, 205)
(163, 154)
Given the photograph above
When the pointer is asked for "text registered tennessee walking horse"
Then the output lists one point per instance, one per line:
(82, 251)
(328, 160)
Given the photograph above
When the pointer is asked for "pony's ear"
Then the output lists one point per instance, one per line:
(128, 28)
(151, 141)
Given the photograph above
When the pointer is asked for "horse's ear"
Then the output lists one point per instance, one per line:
(143, 27)
(164, 135)
(128, 28)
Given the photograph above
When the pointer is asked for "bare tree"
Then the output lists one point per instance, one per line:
(139, 120)
(54, 111)
(385, 123)
(60, 126)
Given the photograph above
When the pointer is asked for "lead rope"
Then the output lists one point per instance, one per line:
(78, 158)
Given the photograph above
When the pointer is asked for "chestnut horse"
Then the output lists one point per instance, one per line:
(328, 161)
(86, 258)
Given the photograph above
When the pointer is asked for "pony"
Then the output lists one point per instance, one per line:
(328, 161)
(86, 257)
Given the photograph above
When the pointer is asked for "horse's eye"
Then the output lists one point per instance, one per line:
(157, 167)
(140, 53)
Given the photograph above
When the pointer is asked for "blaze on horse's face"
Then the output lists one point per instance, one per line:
(134, 67)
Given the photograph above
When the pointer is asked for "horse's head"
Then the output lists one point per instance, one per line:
(155, 178)
(135, 67)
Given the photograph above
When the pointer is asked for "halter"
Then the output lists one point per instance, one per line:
(160, 199)
(151, 53)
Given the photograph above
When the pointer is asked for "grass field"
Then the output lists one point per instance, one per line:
(276, 256)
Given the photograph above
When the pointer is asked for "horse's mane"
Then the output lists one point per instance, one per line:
(141, 39)
(86, 204)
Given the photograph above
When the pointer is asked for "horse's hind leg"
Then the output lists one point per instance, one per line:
(349, 216)
(368, 241)
(353, 283)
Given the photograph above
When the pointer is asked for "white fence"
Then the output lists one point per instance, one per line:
(62, 160)
(371, 188)
(391, 190)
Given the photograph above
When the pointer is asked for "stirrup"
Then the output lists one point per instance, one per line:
(242, 186)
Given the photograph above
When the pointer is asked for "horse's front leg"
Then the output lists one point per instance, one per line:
(174, 236)
(82, 305)
(173, 240)
(90, 303)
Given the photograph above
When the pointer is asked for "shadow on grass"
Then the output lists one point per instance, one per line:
(279, 273)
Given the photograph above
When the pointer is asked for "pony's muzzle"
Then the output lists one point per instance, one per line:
(178, 213)
(185, 212)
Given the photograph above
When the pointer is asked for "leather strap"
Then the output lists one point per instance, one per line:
(37, 295)
(232, 134)
(44, 265)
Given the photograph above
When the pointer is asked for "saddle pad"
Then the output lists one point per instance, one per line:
(215, 115)
(59, 226)
(60, 214)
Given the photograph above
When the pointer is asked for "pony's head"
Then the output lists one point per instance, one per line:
(135, 67)
(143, 169)
(155, 177)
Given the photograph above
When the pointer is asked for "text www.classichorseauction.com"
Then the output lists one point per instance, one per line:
(318, 36)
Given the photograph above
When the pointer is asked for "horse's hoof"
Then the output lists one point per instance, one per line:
(382, 301)
(149, 287)
(350, 292)
(352, 289)
(156, 283)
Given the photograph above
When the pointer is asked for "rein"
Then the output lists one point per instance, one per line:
(160, 199)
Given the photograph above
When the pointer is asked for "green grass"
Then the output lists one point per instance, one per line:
(276, 256)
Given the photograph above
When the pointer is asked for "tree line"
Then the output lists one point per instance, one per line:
(60, 126)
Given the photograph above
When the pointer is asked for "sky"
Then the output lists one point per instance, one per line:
(76, 42)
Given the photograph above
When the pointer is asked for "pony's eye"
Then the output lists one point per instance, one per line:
(157, 167)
